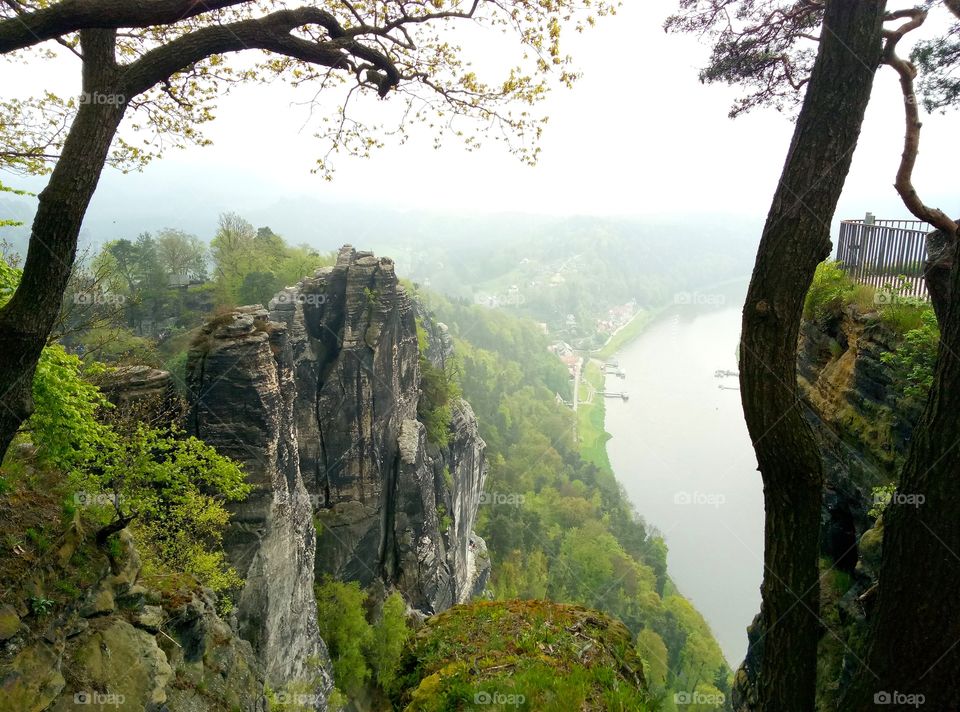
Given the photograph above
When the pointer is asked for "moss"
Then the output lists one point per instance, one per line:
(526, 655)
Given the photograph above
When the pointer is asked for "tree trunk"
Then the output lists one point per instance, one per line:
(796, 238)
(914, 645)
(27, 319)
(937, 271)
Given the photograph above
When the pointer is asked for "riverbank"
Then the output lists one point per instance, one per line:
(628, 332)
(591, 415)
(591, 409)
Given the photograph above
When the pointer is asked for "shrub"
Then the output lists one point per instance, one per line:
(913, 362)
(344, 628)
(177, 486)
(830, 291)
(386, 644)
(439, 390)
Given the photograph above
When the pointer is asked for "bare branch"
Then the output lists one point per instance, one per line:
(911, 139)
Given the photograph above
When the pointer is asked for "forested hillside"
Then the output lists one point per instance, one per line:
(559, 527)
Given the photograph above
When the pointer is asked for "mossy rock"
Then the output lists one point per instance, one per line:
(521, 655)
(32, 681)
(9, 622)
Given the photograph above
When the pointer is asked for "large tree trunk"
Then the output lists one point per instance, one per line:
(796, 238)
(914, 646)
(27, 319)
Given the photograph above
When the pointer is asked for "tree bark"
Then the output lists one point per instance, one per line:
(27, 319)
(914, 644)
(796, 238)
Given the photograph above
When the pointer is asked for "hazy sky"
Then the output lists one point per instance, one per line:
(638, 135)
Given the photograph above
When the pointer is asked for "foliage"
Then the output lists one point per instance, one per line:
(439, 393)
(557, 525)
(64, 426)
(344, 628)
(360, 651)
(937, 60)
(914, 360)
(40, 606)
(767, 47)
(356, 51)
(176, 486)
(390, 634)
(829, 293)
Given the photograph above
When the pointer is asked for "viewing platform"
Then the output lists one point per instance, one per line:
(885, 253)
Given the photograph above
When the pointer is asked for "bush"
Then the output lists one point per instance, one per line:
(389, 635)
(344, 628)
(913, 362)
(904, 314)
(176, 486)
(439, 390)
(831, 289)
(360, 651)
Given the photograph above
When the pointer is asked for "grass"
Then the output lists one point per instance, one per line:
(590, 419)
(833, 290)
(521, 655)
(43, 562)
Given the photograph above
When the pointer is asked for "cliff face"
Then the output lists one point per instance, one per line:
(240, 378)
(390, 505)
(317, 395)
(863, 428)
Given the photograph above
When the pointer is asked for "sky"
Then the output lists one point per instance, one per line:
(638, 135)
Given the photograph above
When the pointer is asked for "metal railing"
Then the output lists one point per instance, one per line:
(885, 253)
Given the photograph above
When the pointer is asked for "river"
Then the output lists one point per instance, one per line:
(680, 448)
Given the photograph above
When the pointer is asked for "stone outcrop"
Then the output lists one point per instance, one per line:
(317, 395)
(239, 373)
(863, 427)
(390, 505)
(125, 645)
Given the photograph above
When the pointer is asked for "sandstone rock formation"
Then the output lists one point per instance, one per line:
(317, 395)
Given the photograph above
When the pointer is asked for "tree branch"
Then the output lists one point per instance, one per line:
(32, 28)
(272, 33)
(911, 139)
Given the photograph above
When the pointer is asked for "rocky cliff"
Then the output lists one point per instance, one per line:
(318, 396)
(125, 644)
(863, 426)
